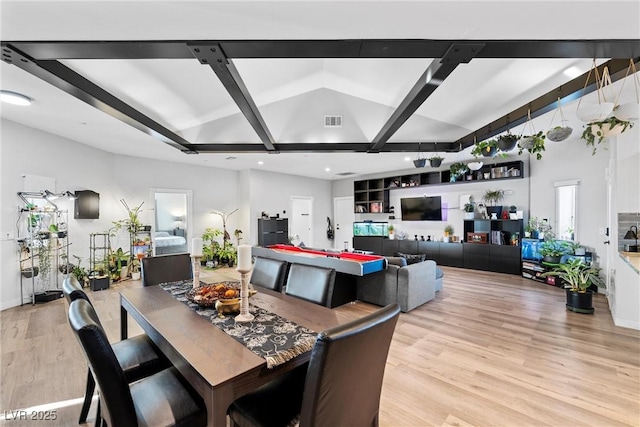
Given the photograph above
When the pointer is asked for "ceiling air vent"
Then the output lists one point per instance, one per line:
(333, 121)
(345, 173)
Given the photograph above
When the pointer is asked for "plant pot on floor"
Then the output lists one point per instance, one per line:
(580, 302)
(135, 275)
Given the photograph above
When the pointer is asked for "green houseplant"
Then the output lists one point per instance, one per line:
(492, 198)
(487, 148)
(507, 142)
(534, 144)
(456, 170)
(553, 250)
(578, 278)
(448, 232)
(595, 132)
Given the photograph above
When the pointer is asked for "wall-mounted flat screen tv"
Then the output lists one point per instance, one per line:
(421, 208)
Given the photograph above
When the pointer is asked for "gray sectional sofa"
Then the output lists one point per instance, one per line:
(410, 285)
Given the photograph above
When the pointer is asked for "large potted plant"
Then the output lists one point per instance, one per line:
(487, 148)
(578, 277)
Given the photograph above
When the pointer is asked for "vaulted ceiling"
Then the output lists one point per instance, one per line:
(245, 82)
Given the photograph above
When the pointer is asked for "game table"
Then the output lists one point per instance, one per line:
(348, 266)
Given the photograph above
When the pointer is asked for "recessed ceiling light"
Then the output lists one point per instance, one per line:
(572, 72)
(14, 98)
(260, 162)
(327, 169)
(407, 159)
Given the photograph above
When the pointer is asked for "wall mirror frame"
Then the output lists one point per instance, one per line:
(173, 220)
(566, 209)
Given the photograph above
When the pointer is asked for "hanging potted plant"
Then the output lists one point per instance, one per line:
(534, 144)
(578, 278)
(435, 161)
(507, 142)
(589, 111)
(596, 132)
(457, 170)
(474, 166)
(561, 132)
(487, 148)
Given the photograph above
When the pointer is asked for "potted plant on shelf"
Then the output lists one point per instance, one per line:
(469, 210)
(448, 232)
(596, 132)
(79, 272)
(492, 197)
(135, 269)
(487, 148)
(552, 251)
(457, 170)
(534, 144)
(507, 142)
(132, 222)
(391, 228)
(578, 278)
(435, 161)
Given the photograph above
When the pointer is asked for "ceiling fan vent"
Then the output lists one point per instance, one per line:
(333, 121)
(345, 173)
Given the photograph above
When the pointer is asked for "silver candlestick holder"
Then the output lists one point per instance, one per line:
(244, 315)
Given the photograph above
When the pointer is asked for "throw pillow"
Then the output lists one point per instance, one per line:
(412, 259)
(396, 260)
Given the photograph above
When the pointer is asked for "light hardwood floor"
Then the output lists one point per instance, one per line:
(491, 349)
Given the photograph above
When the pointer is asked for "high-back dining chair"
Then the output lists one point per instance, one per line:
(166, 268)
(160, 399)
(269, 273)
(311, 283)
(341, 385)
(138, 356)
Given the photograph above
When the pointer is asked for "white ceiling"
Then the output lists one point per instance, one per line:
(293, 95)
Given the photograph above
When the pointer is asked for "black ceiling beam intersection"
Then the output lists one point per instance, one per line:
(568, 92)
(62, 77)
(434, 75)
(213, 56)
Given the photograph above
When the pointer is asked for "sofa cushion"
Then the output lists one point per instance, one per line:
(397, 260)
(412, 259)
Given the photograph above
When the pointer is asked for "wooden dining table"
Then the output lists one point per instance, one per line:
(219, 368)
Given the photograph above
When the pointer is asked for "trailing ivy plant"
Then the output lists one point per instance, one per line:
(599, 136)
(534, 144)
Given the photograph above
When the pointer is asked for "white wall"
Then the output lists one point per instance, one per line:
(271, 192)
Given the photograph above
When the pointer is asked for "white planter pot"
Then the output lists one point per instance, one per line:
(446, 239)
(629, 111)
(391, 236)
(469, 215)
(559, 134)
(607, 130)
(474, 166)
(135, 275)
(594, 112)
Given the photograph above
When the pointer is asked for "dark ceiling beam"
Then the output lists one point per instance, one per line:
(355, 48)
(321, 147)
(62, 77)
(568, 92)
(433, 77)
(213, 56)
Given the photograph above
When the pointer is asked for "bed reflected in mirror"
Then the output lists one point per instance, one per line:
(172, 217)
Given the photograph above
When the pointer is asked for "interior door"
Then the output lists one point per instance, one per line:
(343, 218)
(173, 219)
(301, 227)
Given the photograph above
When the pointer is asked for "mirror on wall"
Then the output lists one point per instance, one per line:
(172, 221)
(566, 202)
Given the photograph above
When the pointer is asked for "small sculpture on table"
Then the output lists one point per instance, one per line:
(244, 268)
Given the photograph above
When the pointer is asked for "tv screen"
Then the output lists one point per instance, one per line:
(421, 208)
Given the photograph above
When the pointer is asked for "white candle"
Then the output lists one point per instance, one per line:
(244, 257)
(196, 247)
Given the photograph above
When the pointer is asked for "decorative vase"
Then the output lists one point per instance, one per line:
(580, 302)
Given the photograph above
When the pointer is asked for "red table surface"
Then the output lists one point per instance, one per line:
(341, 255)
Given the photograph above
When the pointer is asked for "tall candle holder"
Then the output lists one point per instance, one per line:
(195, 259)
(244, 315)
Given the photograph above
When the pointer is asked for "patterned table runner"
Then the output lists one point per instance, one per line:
(268, 335)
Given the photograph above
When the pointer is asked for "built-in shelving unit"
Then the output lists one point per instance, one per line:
(372, 195)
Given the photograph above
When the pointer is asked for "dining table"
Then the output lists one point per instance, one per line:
(218, 366)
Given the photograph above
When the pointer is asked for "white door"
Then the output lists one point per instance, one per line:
(343, 218)
(301, 227)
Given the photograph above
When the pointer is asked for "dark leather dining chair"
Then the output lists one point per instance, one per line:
(161, 399)
(138, 356)
(269, 273)
(311, 283)
(341, 385)
(166, 268)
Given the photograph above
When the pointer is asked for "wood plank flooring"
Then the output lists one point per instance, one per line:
(491, 349)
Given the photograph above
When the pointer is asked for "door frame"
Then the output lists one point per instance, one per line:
(336, 243)
(189, 216)
(311, 217)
